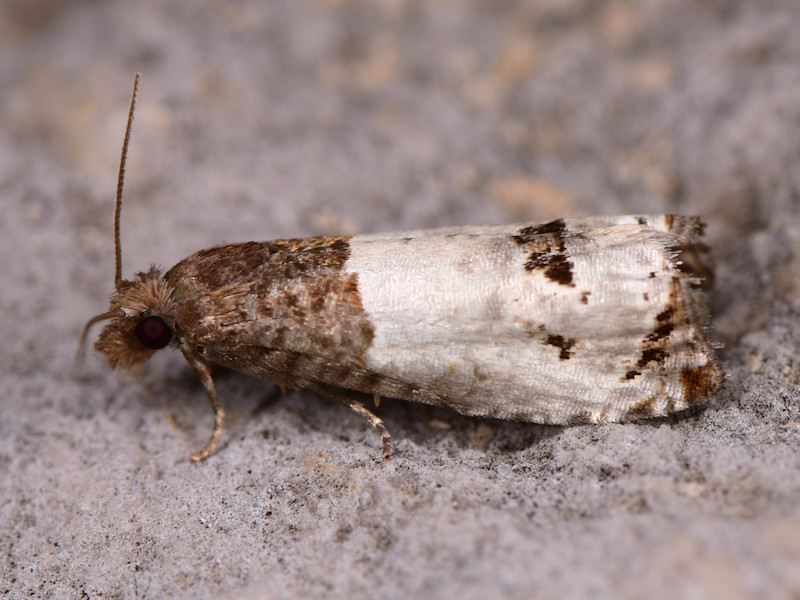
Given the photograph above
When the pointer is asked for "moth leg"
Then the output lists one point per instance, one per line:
(376, 422)
(361, 411)
(204, 373)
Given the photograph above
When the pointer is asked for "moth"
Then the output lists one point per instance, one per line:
(586, 320)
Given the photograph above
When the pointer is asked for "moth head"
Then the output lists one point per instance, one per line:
(142, 320)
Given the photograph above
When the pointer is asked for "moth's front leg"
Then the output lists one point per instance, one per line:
(204, 373)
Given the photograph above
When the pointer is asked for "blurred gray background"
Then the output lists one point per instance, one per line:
(261, 120)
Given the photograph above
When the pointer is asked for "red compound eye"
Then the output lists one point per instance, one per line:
(153, 332)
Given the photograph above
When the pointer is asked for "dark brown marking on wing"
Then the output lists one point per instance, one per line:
(656, 355)
(531, 232)
(631, 374)
(565, 345)
(548, 250)
(664, 327)
(654, 347)
(555, 265)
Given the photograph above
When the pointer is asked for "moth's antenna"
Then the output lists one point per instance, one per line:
(121, 181)
(117, 211)
(81, 352)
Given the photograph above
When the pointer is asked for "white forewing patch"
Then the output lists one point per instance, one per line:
(527, 323)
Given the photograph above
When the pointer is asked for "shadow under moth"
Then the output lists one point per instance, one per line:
(585, 320)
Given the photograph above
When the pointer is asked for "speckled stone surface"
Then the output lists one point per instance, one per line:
(292, 118)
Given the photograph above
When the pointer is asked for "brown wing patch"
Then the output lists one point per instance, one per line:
(700, 382)
(287, 294)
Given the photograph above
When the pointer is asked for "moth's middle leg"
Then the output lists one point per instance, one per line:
(338, 396)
